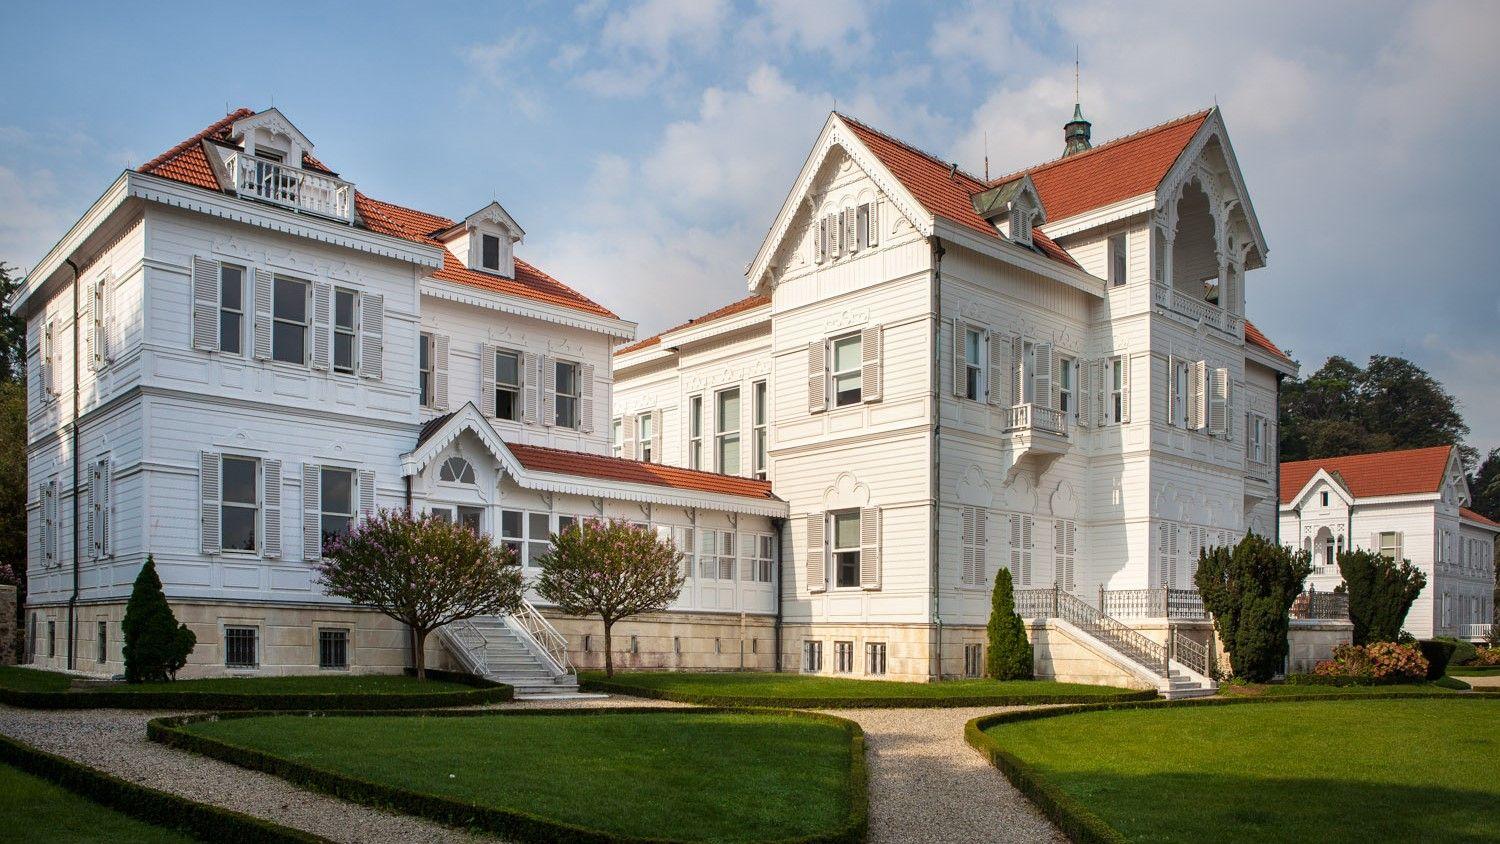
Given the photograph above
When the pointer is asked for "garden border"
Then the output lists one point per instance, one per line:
(484, 691)
(1077, 821)
(740, 701)
(158, 808)
(510, 823)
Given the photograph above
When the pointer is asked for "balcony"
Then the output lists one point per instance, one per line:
(291, 187)
(1027, 417)
(1037, 436)
(1195, 310)
(1474, 632)
(1158, 602)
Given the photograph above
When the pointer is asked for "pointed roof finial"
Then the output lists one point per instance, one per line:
(1076, 132)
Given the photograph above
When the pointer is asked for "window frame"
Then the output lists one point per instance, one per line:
(426, 382)
(974, 659)
(101, 641)
(875, 663)
(645, 433)
(305, 326)
(812, 656)
(237, 313)
(351, 331)
(856, 373)
(843, 656)
(1393, 547)
(974, 374)
(253, 632)
(1117, 391)
(513, 388)
(844, 556)
(1067, 386)
(764, 561)
(324, 513)
(344, 641)
(695, 431)
(1118, 257)
(523, 541)
(257, 507)
(760, 413)
(561, 399)
(485, 239)
(725, 436)
(1028, 372)
(1181, 376)
(617, 436)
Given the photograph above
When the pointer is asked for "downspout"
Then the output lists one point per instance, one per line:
(73, 435)
(779, 525)
(407, 478)
(935, 471)
(1276, 523)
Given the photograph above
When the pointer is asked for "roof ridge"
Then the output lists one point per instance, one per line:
(913, 148)
(398, 205)
(715, 314)
(1113, 142)
(1387, 452)
(572, 453)
(212, 128)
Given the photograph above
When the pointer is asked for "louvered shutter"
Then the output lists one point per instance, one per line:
(322, 324)
(1163, 553)
(960, 334)
(487, 380)
(1125, 388)
(312, 511)
(981, 545)
(586, 398)
(262, 298)
(530, 399)
(1015, 548)
(91, 513)
(1044, 375)
(1085, 397)
(1172, 396)
(1218, 401)
(1101, 392)
(967, 518)
(817, 376)
(205, 304)
(872, 365)
(103, 310)
(208, 506)
(851, 230)
(1059, 551)
(1173, 534)
(996, 376)
(440, 373)
(549, 390)
(366, 478)
(869, 548)
(1026, 549)
(106, 499)
(44, 360)
(272, 518)
(817, 553)
(628, 436)
(874, 222)
(657, 456)
(50, 531)
(86, 317)
(1198, 395)
(1017, 368)
(372, 336)
(819, 239)
(1400, 538)
(747, 556)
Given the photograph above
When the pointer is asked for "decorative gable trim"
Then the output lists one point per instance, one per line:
(1320, 477)
(1187, 167)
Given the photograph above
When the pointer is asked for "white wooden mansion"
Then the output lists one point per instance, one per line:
(943, 375)
(1411, 505)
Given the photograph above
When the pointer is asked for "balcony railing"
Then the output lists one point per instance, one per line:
(1198, 310)
(1026, 417)
(1474, 632)
(291, 187)
(1159, 602)
(1313, 604)
(1056, 603)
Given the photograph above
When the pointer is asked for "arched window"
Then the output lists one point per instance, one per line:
(456, 470)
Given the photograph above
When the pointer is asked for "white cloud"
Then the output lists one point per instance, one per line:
(840, 28)
(30, 216)
(655, 27)
(503, 66)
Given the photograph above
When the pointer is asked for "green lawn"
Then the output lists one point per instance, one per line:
(800, 690)
(671, 774)
(36, 810)
(33, 680)
(1473, 670)
(1295, 690)
(1328, 771)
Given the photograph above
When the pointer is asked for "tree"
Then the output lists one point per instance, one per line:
(611, 569)
(1390, 404)
(156, 646)
(12, 332)
(13, 486)
(1381, 592)
(1248, 590)
(422, 571)
(1010, 656)
(1484, 486)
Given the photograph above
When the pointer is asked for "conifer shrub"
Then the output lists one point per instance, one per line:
(1381, 591)
(156, 645)
(1010, 655)
(1249, 589)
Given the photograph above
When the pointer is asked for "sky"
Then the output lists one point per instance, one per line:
(645, 147)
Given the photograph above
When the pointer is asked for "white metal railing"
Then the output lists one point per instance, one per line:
(468, 643)
(1198, 310)
(553, 645)
(1158, 602)
(1195, 655)
(1255, 469)
(1313, 604)
(1025, 417)
(292, 187)
(1125, 640)
(1474, 631)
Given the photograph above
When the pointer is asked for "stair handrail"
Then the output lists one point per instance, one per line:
(1189, 652)
(460, 638)
(1059, 603)
(552, 644)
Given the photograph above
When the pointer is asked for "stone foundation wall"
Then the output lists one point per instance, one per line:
(908, 649)
(1311, 640)
(672, 641)
(10, 643)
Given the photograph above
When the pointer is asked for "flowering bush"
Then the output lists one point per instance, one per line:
(1487, 657)
(1378, 662)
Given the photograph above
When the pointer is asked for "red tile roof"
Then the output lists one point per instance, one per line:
(1112, 171)
(942, 189)
(747, 304)
(187, 163)
(1416, 470)
(1473, 516)
(542, 459)
(1254, 337)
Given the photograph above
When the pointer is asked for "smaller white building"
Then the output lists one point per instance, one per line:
(1410, 505)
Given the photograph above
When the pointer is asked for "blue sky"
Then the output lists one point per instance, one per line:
(645, 146)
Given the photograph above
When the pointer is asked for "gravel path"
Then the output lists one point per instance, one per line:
(927, 784)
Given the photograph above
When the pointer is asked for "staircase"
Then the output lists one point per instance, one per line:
(521, 650)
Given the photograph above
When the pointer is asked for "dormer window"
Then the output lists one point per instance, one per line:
(485, 240)
(1013, 208)
(268, 154)
(490, 253)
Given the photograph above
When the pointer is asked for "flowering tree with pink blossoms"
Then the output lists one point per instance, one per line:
(421, 571)
(611, 569)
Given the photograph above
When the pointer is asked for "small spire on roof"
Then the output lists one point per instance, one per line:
(1076, 132)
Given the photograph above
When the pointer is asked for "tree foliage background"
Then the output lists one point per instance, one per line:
(12, 444)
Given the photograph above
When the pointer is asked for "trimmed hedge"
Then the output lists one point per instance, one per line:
(160, 808)
(752, 702)
(485, 691)
(1069, 814)
(507, 823)
(1437, 652)
(1452, 683)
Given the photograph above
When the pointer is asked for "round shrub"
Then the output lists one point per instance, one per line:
(1438, 653)
(1378, 662)
(1486, 657)
(1464, 652)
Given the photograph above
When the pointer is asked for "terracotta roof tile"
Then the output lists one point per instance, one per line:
(746, 304)
(542, 459)
(942, 189)
(187, 162)
(1416, 470)
(1254, 337)
(1112, 171)
(1473, 516)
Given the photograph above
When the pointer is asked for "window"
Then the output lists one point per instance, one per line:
(695, 432)
(758, 415)
(848, 376)
(1118, 259)
(1180, 394)
(472, 518)
(1028, 373)
(1390, 545)
(239, 647)
(1117, 390)
(566, 413)
(875, 658)
(973, 543)
(846, 548)
(51, 638)
(1255, 439)
(864, 233)
(231, 309)
(973, 364)
(635, 645)
(338, 502)
(239, 510)
(843, 657)
(101, 642)
(289, 327)
(645, 435)
(490, 252)
(456, 470)
(1323, 498)
(617, 437)
(812, 656)
(765, 560)
(727, 430)
(716, 554)
(1067, 369)
(425, 388)
(973, 660)
(529, 535)
(343, 330)
(507, 386)
(538, 537)
(333, 649)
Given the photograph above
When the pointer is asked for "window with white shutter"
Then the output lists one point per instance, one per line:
(1197, 415)
(1021, 545)
(817, 553)
(817, 376)
(531, 399)
(439, 372)
(974, 544)
(50, 526)
(1044, 392)
(372, 336)
(872, 371)
(1218, 402)
(271, 507)
(998, 374)
(312, 510)
(208, 508)
(211, 294)
(47, 365)
(1065, 552)
(869, 548)
(586, 398)
(262, 316)
(322, 314)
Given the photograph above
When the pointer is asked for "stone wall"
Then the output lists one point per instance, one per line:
(672, 641)
(10, 643)
(1311, 640)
